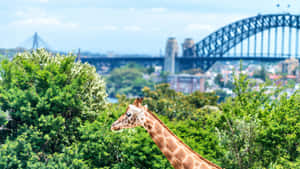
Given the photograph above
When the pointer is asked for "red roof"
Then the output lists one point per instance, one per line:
(291, 76)
(274, 77)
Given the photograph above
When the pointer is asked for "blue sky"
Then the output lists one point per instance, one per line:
(123, 26)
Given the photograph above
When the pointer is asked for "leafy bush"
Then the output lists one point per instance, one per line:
(133, 148)
(127, 81)
(46, 98)
(257, 131)
(176, 105)
(53, 114)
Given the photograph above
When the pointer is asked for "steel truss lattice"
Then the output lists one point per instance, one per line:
(221, 41)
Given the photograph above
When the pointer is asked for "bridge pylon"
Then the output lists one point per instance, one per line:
(34, 42)
(170, 55)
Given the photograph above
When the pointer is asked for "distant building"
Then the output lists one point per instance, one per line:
(189, 48)
(171, 54)
(298, 75)
(274, 77)
(187, 83)
(227, 75)
(289, 66)
(282, 80)
(157, 68)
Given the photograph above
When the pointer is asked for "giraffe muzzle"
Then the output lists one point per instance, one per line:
(115, 126)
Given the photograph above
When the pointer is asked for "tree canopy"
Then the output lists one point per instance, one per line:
(45, 99)
(128, 80)
(53, 114)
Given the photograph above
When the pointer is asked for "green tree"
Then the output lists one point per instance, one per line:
(176, 105)
(53, 114)
(150, 70)
(257, 131)
(132, 148)
(222, 95)
(291, 83)
(163, 77)
(46, 98)
(229, 84)
(219, 80)
(127, 80)
(2, 57)
(193, 71)
(261, 74)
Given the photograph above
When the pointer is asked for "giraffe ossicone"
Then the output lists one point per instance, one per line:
(180, 155)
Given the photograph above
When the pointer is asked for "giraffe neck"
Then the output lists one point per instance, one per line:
(179, 154)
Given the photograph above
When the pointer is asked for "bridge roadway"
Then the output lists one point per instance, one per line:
(269, 35)
(181, 63)
(114, 62)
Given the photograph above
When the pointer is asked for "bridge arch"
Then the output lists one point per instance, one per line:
(221, 41)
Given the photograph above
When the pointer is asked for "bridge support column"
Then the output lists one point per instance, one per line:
(171, 54)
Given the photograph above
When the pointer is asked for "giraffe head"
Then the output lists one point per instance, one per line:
(133, 117)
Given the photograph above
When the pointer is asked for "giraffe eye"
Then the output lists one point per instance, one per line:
(128, 114)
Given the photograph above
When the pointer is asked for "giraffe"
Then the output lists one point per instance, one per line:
(180, 155)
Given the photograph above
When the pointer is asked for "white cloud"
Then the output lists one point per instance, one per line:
(44, 21)
(158, 10)
(37, 21)
(109, 28)
(41, 1)
(132, 28)
(20, 13)
(31, 12)
(155, 29)
(132, 9)
(198, 27)
(39, 17)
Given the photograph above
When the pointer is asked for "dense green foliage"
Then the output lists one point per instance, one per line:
(172, 104)
(128, 80)
(219, 80)
(46, 98)
(258, 131)
(252, 130)
(54, 115)
(9, 53)
(193, 71)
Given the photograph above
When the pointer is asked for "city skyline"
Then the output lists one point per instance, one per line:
(129, 26)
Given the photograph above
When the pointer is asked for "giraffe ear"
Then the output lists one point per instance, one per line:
(138, 102)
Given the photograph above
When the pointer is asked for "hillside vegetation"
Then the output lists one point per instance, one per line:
(53, 114)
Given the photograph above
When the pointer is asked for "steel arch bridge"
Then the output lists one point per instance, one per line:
(215, 46)
(273, 37)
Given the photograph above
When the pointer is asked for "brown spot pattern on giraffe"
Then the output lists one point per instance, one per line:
(152, 134)
(203, 166)
(180, 155)
(148, 126)
(148, 122)
(159, 141)
(171, 145)
(168, 154)
(158, 129)
(188, 163)
(176, 164)
(166, 134)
